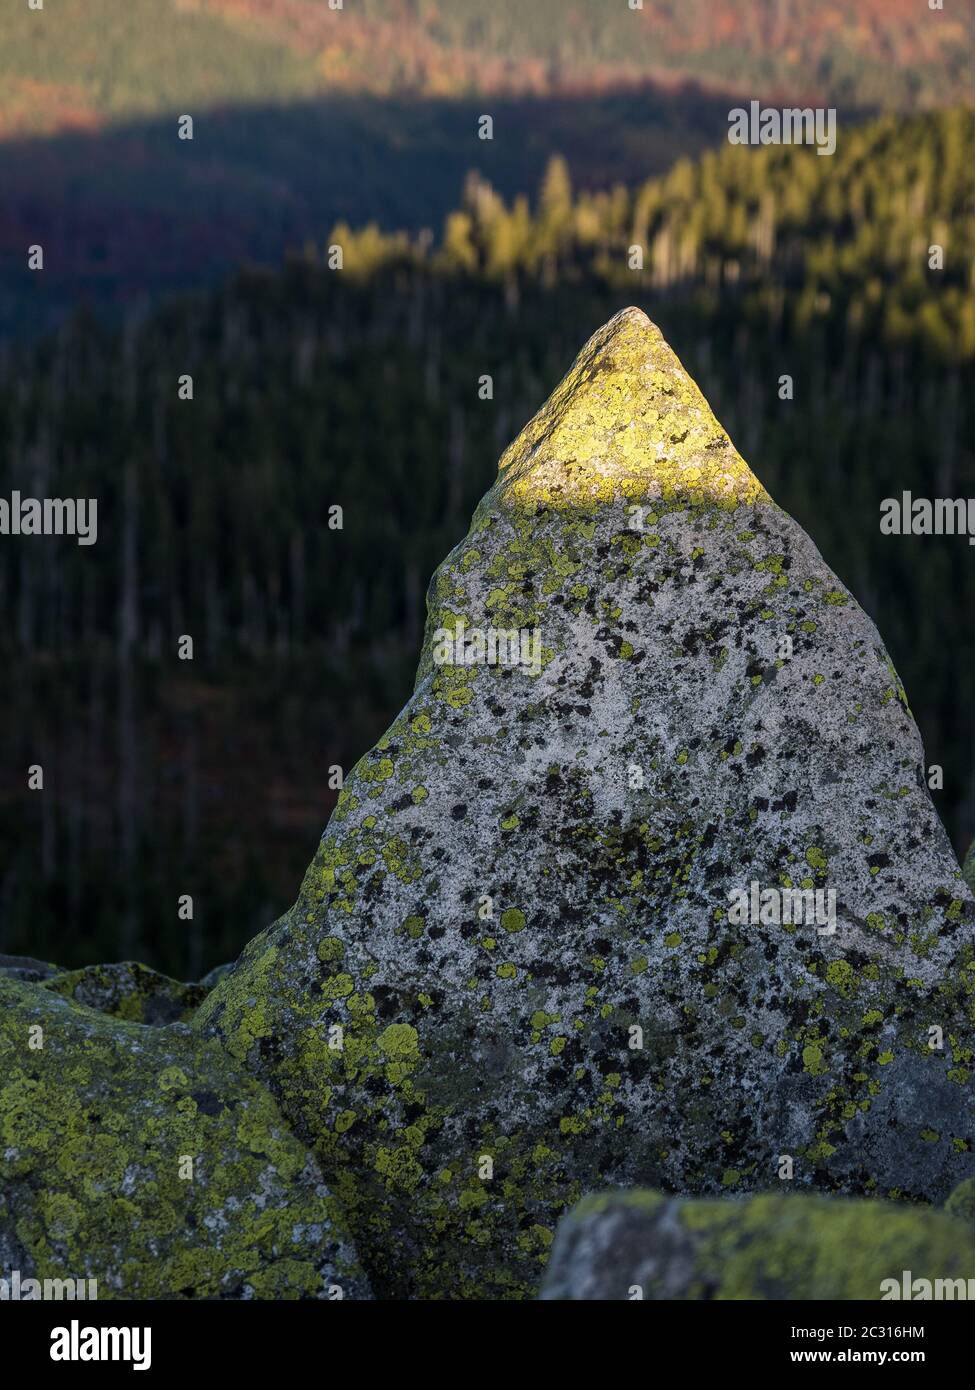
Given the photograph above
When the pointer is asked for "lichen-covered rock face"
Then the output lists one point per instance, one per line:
(147, 1160)
(642, 1245)
(514, 971)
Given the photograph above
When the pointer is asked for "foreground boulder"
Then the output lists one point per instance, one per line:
(969, 870)
(642, 1245)
(124, 989)
(145, 1159)
(517, 968)
(130, 991)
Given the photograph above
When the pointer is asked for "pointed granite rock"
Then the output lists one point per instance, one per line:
(514, 973)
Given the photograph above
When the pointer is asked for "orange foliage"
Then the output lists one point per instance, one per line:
(42, 108)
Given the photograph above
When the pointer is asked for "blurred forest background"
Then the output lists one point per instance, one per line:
(358, 388)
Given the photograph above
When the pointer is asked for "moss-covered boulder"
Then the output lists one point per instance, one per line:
(517, 968)
(146, 1159)
(969, 869)
(633, 1245)
(130, 991)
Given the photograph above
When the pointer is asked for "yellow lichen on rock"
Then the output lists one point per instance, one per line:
(625, 419)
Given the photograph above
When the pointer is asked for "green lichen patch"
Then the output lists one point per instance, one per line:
(144, 1158)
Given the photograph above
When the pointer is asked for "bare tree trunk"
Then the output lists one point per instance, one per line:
(455, 478)
(298, 586)
(127, 777)
(191, 829)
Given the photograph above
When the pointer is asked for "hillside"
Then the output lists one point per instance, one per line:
(84, 62)
(889, 53)
(305, 115)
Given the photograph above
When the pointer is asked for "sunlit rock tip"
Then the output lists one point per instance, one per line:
(625, 421)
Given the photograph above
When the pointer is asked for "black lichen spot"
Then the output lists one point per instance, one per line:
(387, 1001)
(207, 1102)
